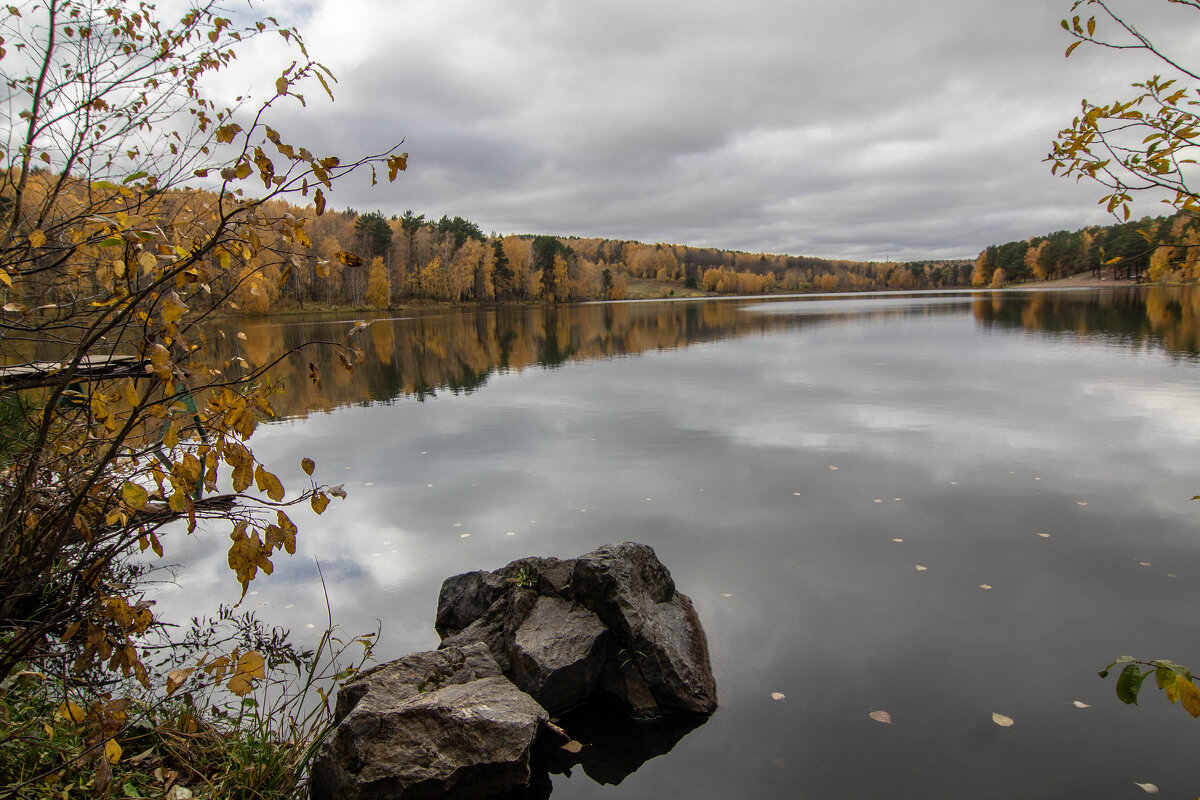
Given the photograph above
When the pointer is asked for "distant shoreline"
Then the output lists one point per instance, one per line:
(1081, 281)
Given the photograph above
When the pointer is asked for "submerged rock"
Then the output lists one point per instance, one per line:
(444, 723)
(609, 619)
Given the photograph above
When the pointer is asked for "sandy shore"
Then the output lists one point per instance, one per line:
(1085, 281)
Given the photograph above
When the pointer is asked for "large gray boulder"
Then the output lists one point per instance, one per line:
(609, 619)
(444, 723)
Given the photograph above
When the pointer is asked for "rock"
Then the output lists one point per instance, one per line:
(464, 598)
(541, 625)
(558, 653)
(444, 723)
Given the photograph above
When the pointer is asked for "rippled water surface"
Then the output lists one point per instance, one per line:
(941, 506)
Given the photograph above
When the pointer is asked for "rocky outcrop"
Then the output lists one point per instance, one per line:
(444, 723)
(609, 619)
(539, 635)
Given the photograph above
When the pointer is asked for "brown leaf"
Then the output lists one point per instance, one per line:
(881, 716)
(249, 667)
(176, 677)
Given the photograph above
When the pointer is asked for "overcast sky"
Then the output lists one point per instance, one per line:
(861, 129)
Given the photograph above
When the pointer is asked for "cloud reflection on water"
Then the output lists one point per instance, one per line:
(988, 430)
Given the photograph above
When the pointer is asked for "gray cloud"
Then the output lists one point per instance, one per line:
(861, 129)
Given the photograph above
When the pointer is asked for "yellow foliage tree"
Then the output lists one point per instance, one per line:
(379, 290)
(108, 263)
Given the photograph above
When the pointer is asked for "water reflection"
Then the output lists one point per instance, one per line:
(616, 746)
(960, 426)
(458, 351)
(1160, 316)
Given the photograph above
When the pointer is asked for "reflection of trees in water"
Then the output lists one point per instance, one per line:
(458, 351)
(1162, 316)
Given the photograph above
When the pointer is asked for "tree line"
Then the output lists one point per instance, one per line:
(371, 260)
(1160, 249)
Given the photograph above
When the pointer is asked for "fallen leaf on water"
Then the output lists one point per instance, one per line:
(954, 483)
(794, 494)
(877, 500)
(897, 540)
(921, 569)
(1172, 575)
(985, 586)
(831, 466)
(726, 594)
(1148, 788)
(1080, 503)
(464, 536)
(777, 695)
(1080, 704)
(897, 499)
(458, 524)
(572, 746)
(1143, 563)
(1044, 535)
(881, 716)
(1001, 720)
(510, 533)
(241, 336)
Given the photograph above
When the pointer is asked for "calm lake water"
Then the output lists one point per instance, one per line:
(943, 506)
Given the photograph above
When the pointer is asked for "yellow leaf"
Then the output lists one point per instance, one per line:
(1071, 49)
(5, 279)
(135, 496)
(148, 262)
(170, 438)
(242, 170)
(172, 308)
(37, 238)
(281, 85)
(308, 465)
(112, 751)
(1189, 696)
(269, 483)
(249, 667)
(225, 133)
(70, 711)
(319, 502)
(160, 362)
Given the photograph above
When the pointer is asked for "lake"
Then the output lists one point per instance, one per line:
(944, 506)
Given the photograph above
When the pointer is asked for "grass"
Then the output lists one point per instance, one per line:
(191, 736)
